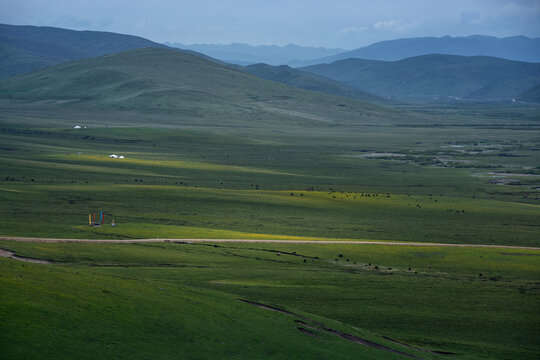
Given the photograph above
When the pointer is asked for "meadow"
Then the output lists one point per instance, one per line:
(431, 174)
(166, 299)
(401, 182)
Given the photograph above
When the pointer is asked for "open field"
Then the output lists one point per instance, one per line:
(402, 182)
(303, 167)
(159, 299)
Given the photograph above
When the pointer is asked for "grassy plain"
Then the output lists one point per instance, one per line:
(163, 300)
(304, 167)
(392, 182)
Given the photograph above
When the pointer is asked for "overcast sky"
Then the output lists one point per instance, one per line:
(330, 23)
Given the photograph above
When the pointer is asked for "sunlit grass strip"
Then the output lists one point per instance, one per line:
(193, 165)
(79, 167)
(146, 230)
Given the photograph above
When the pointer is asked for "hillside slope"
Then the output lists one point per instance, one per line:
(518, 48)
(27, 48)
(308, 81)
(172, 82)
(531, 95)
(435, 77)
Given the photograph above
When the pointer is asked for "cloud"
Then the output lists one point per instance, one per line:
(351, 30)
(397, 26)
(386, 24)
(505, 18)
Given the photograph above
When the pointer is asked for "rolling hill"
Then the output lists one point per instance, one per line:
(27, 48)
(436, 77)
(172, 82)
(308, 81)
(531, 95)
(518, 48)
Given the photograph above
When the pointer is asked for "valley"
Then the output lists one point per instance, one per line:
(254, 219)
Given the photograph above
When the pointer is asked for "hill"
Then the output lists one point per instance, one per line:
(531, 95)
(431, 77)
(308, 81)
(243, 54)
(169, 81)
(27, 48)
(518, 48)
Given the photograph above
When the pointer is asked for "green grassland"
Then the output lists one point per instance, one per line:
(214, 153)
(168, 300)
(378, 183)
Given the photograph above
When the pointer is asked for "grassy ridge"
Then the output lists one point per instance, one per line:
(192, 287)
(165, 81)
(120, 321)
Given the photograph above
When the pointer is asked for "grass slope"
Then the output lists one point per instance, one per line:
(531, 95)
(162, 81)
(308, 81)
(431, 77)
(141, 319)
(28, 48)
(169, 300)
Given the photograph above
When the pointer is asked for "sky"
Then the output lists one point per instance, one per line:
(346, 24)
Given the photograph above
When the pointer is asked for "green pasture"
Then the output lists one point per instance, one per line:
(167, 299)
(405, 183)
(302, 172)
(176, 211)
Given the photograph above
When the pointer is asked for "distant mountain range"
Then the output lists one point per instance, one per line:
(423, 78)
(437, 77)
(243, 54)
(518, 48)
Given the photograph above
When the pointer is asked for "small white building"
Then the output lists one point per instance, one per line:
(76, 127)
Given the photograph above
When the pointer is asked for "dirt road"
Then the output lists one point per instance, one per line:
(358, 242)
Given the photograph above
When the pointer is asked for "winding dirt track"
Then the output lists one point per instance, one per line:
(10, 254)
(359, 242)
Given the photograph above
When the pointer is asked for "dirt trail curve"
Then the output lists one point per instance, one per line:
(9, 254)
(358, 242)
